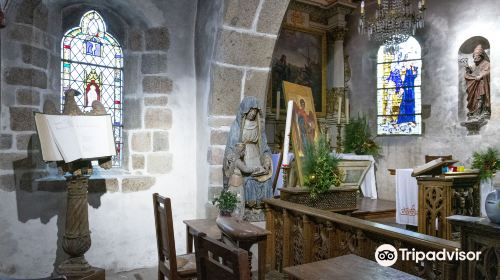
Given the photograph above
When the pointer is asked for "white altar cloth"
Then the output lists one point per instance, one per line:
(369, 184)
(406, 198)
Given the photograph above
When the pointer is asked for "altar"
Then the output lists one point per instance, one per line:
(364, 178)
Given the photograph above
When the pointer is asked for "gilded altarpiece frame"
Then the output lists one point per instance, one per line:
(300, 57)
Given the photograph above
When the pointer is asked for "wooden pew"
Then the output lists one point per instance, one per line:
(300, 234)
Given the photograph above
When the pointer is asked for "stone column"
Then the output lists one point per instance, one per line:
(338, 57)
(337, 33)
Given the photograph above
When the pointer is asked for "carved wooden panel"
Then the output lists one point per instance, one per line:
(434, 212)
(321, 246)
(278, 240)
(439, 198)
(298, 241)
(311, 234)
(488, 266)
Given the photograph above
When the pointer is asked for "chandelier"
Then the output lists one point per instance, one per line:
(394, 21)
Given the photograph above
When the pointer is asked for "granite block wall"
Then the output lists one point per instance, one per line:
(159, 98)
(240, 67)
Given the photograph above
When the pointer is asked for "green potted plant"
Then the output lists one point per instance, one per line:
(358, 138)
(323, 178)
(488, 162)
(320, 168)
(226, 202)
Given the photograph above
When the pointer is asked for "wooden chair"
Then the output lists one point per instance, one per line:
(169, 264)
(218, 261)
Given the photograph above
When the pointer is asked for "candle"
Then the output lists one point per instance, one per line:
(288, 125)
(278, 101)
(347, 110)
(362, 7)
(339, 101)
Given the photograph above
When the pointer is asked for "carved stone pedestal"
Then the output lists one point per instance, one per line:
(76, 240)
(474, 125)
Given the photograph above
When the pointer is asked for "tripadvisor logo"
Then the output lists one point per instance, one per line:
(387, 255)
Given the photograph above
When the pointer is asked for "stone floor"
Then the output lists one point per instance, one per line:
(151, 274)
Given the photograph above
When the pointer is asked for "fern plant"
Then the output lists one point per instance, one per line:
(358, 138)
(488, 162)
(320, 167)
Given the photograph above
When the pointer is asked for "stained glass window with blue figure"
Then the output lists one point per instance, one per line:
(398, 89)
(92, 63)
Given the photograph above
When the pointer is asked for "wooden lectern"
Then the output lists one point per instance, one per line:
(445, 194)
(73, 140)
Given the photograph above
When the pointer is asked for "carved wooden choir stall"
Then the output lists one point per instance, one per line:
(479, 235)
(444, 194)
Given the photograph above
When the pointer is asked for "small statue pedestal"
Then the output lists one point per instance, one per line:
(474, 125)
(76, 239)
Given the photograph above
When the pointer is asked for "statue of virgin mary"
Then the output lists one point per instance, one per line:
(248, 128)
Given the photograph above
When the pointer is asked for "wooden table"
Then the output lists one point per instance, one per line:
(346, 267)
(243, 240)
(207, 226)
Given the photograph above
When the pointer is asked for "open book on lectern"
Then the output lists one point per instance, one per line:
(68, 138)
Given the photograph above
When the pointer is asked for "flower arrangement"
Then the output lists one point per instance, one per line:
(358, 138)
(320, 168)
(226, 202)
(488, 162)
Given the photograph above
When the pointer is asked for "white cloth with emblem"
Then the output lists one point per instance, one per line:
(406, 197)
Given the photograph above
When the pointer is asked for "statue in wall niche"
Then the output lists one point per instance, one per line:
(248, 132)
(477, 81)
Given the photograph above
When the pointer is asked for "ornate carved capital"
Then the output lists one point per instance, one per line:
(338, 33)
(331, 99)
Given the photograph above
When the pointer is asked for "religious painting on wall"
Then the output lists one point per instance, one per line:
(299, 57)
(305, 130)
(398, 89)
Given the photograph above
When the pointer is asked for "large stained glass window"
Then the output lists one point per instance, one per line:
(92, 63)
(399, 73)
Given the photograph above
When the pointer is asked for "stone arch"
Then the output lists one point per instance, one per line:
(240, 67)
(465, 55)
(31, 76)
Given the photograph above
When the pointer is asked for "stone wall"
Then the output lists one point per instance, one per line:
(159, 98)
(148, 117)
(241, 67)
(209, 18)
(448, 24)
(28, 54)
